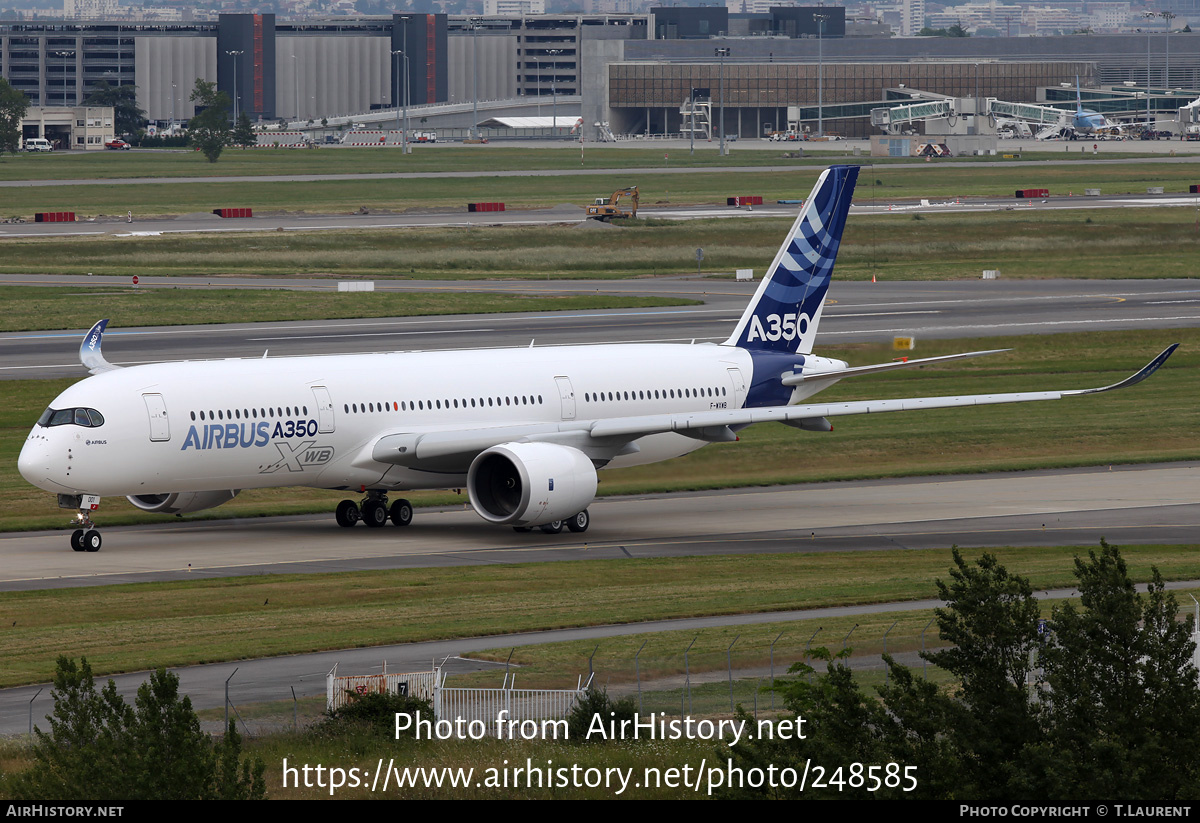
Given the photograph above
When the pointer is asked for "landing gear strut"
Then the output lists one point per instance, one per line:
(374, 511)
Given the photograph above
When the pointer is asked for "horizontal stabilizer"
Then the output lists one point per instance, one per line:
(797, 379)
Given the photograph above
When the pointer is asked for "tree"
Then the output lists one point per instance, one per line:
(1122, 706)
(13, 105)
(128, 118)
(208, 130)
(991, 619)
(101, 749)
(243, 133)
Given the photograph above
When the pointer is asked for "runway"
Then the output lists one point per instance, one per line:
(856, 312)
(1130, 504)
(142, 226)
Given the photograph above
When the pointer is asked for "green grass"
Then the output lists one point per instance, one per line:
(139, 626)
(566, 156)
(27, 309)
(235, 162)
(1091, 243)
(1154, 421)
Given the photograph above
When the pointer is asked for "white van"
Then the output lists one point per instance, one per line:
(38, 144)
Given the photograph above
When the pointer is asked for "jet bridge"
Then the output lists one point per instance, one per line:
(1047, 121)
(893, 118)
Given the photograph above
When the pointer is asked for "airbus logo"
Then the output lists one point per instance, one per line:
(299, 457)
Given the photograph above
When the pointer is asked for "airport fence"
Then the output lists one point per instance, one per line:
(338, 689)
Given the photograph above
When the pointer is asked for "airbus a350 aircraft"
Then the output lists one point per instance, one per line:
(523, 430)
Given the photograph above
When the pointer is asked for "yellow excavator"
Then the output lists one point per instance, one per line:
(606, 209)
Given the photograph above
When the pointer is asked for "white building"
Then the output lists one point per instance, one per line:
(513, 8)
(912, 17)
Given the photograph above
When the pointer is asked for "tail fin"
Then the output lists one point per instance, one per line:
(784, 313)
(1078, 96)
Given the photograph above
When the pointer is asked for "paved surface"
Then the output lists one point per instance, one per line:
(856, 312)
(568, 214)
(1135, 504)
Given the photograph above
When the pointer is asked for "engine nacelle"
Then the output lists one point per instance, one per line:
(181, 502)
(530, 484)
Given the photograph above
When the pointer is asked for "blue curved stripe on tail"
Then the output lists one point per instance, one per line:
(786, 309)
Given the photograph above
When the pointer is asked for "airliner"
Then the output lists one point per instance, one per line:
(523, 430)
(1086, 121)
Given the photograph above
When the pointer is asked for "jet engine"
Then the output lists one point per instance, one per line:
(182, 502)
(530, 484)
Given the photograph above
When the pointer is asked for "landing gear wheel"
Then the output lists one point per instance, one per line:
(401, 513)
(347, 513)
(580, 522)
(91, 541)
(553, 527)
(77, 540)
(375, 513)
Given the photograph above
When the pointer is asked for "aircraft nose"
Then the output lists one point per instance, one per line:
(34, 461)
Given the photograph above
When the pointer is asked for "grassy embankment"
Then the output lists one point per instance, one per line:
(136, 626)
(566, 156)
(31, 309)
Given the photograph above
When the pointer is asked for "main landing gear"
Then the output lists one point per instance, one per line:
(579, 523)
(374, 511)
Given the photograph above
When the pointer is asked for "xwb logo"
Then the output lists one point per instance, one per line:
(299, 457)
(778, 327)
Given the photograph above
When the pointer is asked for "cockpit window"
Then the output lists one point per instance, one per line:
(89, 418)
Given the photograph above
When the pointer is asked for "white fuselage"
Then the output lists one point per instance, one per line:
(310, 421)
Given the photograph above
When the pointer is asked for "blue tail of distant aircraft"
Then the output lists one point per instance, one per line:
(786, 309)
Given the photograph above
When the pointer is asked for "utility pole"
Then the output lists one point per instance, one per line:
(235, 55)
(475, 24)
(820, 19)
(722, 53)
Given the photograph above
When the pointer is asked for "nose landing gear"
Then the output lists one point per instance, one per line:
(87, 538)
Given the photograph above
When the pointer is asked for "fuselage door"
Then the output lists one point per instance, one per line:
(739, 387)
(324, 409)
(156, 408)
(566, 396)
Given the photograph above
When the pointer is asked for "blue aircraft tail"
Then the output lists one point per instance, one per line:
(784, 313)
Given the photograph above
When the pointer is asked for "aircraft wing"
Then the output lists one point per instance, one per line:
(604, 439)
(686, 423)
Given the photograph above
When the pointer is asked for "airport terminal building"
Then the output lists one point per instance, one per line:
(628, 74)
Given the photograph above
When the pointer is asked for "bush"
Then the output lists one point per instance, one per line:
(101, 749)
(597, 703)
(378, 712)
